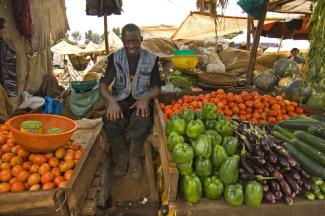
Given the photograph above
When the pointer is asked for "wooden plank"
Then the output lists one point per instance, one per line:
(83, 174)
(170, 171)
(33, 203)
(149, 170)
(89, 208)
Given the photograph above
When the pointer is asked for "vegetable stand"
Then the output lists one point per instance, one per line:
(171, 172)
(70, 198)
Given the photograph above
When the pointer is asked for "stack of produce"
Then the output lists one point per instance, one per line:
(21, 170)
(264, 159)
(258, 109)
(180, 81)
(31, 126)
(304, 138)
(205, 150)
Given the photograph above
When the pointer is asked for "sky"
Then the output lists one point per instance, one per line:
(140, 12)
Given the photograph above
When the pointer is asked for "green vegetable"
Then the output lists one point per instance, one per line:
(230, 143)
(322, 188)
(202, 146)
(55, 131)
(311, 139)
(210, 124)
(234, 195)
(209, 111)
(253, 194)
(194, 128)
(198, 115)
(178, 125)
(182, 153)
(215, 136)
(265, 81)
(170, 124)
(296, 92)
(213, 187)
(317, 181)
(319, 195)
(173, 139)
(31, 124)
(228, 171)
(219, 155)
(203, 167)
(285, 67)
(317, 101)
(224, 128)
(192, 188)
(308, 164)
(310, 196)
(187, 114)
(185, 168)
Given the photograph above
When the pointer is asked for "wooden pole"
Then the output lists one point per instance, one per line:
(282, 36)
(106, 35)
(249, 31)
(253, 54)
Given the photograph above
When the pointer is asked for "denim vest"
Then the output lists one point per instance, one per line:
(141, 83)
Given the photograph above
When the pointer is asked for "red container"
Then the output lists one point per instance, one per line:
(42, 143)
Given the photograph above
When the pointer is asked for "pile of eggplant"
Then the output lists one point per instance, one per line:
(263, 158)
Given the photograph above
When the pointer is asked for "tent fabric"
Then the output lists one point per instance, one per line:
(160, 46)
(199, 26)
(158, 31)
(64, 48)
(293, 6)
(34, 60)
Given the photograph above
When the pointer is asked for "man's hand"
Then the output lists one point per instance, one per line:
(142, 107)
(114, 112)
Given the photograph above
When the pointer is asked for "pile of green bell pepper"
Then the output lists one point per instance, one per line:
(192, 188)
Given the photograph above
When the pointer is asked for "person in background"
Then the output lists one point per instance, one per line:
(89, 65)
(135, 73)
(294, 55)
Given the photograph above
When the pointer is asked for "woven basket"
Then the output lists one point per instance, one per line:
(217, 78)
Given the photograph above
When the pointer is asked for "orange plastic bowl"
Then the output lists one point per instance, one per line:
(42, 143)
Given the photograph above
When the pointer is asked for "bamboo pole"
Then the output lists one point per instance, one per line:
(253, 54)
(249, 31)
(106, 35)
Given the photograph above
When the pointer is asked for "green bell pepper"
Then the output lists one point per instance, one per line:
(203, 167)
(198, 115)
(192, 188)
(234, 195)
(253, 194)
(210, 124)
(209, 111)
(216, 137)
(185, 168)
(182, 153)
(169, 123)
(224, 128)
(228, 171)
(173, 139)
(194, 128)
(230, 143)
(202, 146)
(176, 124)
(187, 114)
(213, 187)
(219, 155)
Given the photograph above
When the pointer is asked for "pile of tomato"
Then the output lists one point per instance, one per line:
(254, 107)
(21, 170)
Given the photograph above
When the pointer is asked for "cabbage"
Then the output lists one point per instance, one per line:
(285, 67)
(265, 81)
(317, 101)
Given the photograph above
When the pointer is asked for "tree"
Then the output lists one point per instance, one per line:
(89, 36)
(117, 31)
(210, 6)
(76, 36)
(96, 38)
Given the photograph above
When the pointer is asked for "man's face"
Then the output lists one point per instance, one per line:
(132, 42)
(295, 52)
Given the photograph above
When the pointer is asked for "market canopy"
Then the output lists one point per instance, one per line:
(64, 48)
(158, 31)
(291, 6)
(199, 26)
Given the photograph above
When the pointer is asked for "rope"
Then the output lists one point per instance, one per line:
(60, 207)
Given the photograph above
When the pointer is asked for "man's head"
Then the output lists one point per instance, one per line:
(65, 61)
(131, 38)
(294, 51)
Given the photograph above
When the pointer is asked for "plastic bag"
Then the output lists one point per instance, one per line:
(31, 101)
(254, 8)
(52, 106)
(81, 101)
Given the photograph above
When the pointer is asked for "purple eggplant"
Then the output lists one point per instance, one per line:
(277, 175)
(246, 165)
(283, 162)
(274, 185)
(288, 199)
(269, 197)
(295, 174)
(272, 157)
(292, 162)
(285, 188)
(269, 167)
(278, 195)
(306, 184)
(259, 151)
(292, 183)
(257, 160)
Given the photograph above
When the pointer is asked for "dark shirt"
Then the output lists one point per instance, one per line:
(155, 80)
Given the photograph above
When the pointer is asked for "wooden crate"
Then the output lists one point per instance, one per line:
(65, 201)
